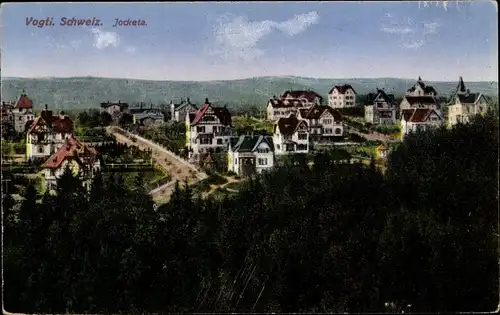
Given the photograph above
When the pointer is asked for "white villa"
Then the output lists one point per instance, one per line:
(341, 96)
(291, 135)
(421, 89)
(465, 105)
(178, 112)
(306, 98)
(207, 130)
(46, 134)
(323, 121)
(419, 119)
(80, 158)
(250, 154)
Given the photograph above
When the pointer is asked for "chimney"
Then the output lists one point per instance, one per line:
(206, 101)
(188, 101)
(119, 102)
(151, 106)
(46, 107)
(141, 105)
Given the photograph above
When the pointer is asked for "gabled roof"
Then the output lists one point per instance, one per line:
(72, 149)
(24, 102)
(388, 98)
(425, 99)
(289, 125)
(246, 143)
(427, 88)
(470, 98)
(57, 124)
(278, 103)
(309, 95)
(316, 111)
(178, 107)
(342, 89)
(221, 112)
(418, 115)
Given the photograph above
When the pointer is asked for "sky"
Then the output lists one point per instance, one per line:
(438, 41)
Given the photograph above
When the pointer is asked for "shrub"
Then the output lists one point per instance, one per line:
(216, 179)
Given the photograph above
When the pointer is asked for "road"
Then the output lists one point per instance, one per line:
(179, 170)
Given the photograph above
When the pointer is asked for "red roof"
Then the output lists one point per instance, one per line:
(57, 123)
(24, 102)
(72, 149)
(342, 88)
(309, 95)
(426, 99)
(221, 112)
(417, 115)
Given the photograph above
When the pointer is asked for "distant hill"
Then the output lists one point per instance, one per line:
(86, 92)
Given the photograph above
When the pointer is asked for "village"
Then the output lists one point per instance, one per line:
(215, 151)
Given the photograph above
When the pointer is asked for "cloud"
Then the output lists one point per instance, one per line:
(130, 49)
(54, 44)
(104, 39)
(238, 38)
(411, 35)
(299, 23)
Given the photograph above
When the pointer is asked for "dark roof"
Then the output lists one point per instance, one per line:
(24, 102)
(418, 114)
(109, 104)
(342, 88)
(316, 111)
(277, 103)
(427, 89)
(221, 112)
(58, 124)
(470, 98)
(248, 143)
(426, 99)
(309, 95)
(389, 98)
(289, 125)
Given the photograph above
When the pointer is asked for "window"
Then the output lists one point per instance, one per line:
(327, 121)
(219, 141)
(235, 161)
(302, 136)
(266, 150)
(40, 149)
(52, 172)
(301, 147)
(200, 129)
(278, 146)
(328, 131)
(20, 117)
(205, 140)
(208, 118)
(262, 161)
(338, 131)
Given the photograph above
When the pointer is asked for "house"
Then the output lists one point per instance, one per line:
(382, 151)
(278, 108)
(420, 89)
(178, 112)
(208, 129)
(291, 135)
(6, 117)
(114, 109)
(323, 121)
(426, 101)
(22, 113)
(381, 108)
(305, 98)
(47, 133)
(250, 154)
(147, 116)
(341, 96)
(82, 159)
(419, 119)
(465, 105)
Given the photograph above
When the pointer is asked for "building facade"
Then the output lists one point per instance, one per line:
(419, 119)
(381, 108)
(208, 130)
(465, 105)
(46, 134)
(291, 135)
(305, 98)
(249, 155)
(341, 96)
(178, 112)
(322, 121)
(75, 155)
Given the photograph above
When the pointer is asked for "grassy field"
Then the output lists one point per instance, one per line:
(248, 124)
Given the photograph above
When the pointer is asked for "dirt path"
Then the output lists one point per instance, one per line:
(178, 170)
(215, 187)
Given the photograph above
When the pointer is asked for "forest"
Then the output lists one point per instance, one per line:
(327, 238)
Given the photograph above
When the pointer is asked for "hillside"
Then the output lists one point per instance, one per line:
(84, 92)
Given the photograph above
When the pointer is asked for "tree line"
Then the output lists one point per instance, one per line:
(327, 238)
